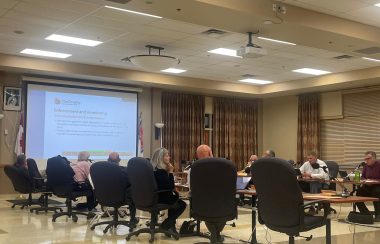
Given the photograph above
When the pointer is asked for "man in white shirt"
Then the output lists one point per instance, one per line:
(314, 169)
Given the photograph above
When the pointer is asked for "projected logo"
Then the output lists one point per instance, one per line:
(59, 101)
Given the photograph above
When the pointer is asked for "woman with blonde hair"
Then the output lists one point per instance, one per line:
(163, 172)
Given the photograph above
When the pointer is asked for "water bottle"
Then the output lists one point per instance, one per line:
(357, 176)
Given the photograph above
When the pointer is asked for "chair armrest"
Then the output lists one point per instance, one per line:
(167, 190)
(326, 210)
(309, 203)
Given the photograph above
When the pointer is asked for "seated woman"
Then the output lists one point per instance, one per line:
(163, 171)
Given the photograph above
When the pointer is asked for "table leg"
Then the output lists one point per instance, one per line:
(253, 239)
(328, 231)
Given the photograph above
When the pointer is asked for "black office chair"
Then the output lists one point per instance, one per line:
(213, 190)
(21, 183)
(145, 196)
(275, 181)
(333, 173)
(60, 181)
(40, 184)
(110, 188)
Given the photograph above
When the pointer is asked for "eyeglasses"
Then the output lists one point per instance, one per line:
(365, 159)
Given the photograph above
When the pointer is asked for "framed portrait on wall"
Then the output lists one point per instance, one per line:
(12, 98)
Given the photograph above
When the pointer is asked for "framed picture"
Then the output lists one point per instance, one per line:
(12, 98)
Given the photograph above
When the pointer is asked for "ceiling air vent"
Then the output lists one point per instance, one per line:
(119, 1)
(214, 33)
(343, 57)
(248, 76)
(369, 50)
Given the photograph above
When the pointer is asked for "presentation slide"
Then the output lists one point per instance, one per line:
(66, 120)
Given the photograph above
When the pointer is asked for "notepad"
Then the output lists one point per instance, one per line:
(242, 182)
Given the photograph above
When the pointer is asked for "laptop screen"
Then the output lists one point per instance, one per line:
(242, 182)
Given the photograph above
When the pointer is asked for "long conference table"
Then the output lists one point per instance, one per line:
(307, 196)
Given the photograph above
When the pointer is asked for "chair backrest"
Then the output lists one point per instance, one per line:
(33, 168)
(333, 171)
(141, 176)
(213, 190)
(60, 176)
(19, 177)
(279, 194)
(110, 183)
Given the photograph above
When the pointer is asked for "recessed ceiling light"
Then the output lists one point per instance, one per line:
(45, 53)
(256, 81)
(134, 12)
(377, 4)
(73, 40)
(225, 51)
(371, 59)
(311, 71)
(174, 71)
(274, 40)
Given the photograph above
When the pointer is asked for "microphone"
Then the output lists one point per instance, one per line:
(324, 168)
(360, 165)
(188, 166)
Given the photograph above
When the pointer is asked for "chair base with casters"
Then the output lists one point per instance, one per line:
(45, 206)
(114, 222)
(153, 229)
(70, 213)
(312, 222)
(27, 202)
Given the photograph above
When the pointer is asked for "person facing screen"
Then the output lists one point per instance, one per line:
(114, 158)
(163, 172)
(81, 170)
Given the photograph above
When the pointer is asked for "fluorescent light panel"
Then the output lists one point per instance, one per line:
(225, 51)
(371, 59)
(256, 81)
(45, 53)
(73, 40)
(311, 71)
(278, 41)
(134, 12)
(377, 4)
(174, 71)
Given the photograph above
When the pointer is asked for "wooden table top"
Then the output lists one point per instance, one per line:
(338, 199)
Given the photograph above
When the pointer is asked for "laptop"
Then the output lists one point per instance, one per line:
(242, 182)
(342, 173)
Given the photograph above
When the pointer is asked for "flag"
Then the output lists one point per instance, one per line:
(141, 135)
(19, 145)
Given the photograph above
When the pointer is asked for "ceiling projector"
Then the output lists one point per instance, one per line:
(251, 50)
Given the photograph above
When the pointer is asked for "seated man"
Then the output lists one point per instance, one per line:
(251, 160)
(269, 153)
(204, 151)
(315, 169)
(81, 169)
(371, 170)
(115, 158)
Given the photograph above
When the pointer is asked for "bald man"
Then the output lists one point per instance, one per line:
(204, 151)
(114, 157)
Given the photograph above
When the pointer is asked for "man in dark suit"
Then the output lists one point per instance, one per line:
(114, 157)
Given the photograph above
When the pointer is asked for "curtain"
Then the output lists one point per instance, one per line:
(183, 116)
(235, 129)
(308, 133)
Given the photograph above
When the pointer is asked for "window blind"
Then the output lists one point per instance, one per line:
(346, 140)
